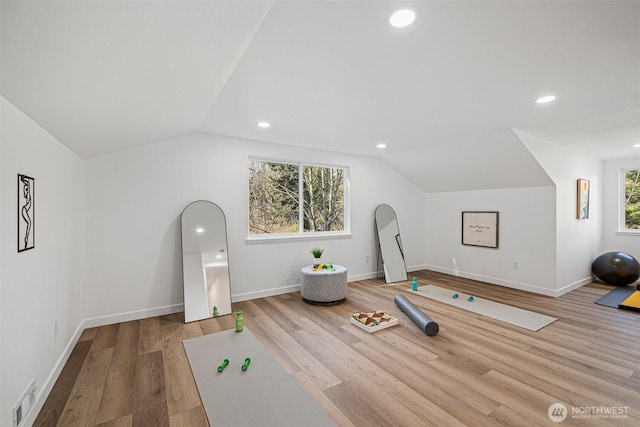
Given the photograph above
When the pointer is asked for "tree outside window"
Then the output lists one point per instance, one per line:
(287, 198)
(632, 199)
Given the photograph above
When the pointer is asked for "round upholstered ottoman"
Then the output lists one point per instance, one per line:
(324, 286)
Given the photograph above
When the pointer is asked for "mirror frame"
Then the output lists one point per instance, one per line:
(389, 247)
(199, 313)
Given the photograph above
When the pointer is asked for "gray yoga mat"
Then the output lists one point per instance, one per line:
(505, 313)
(263, 395)
(616, 296)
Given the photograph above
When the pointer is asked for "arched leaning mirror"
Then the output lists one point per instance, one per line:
(205, 261)
(390, 250)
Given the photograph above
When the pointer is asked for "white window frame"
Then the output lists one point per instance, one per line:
(622, 230)
(301, 234)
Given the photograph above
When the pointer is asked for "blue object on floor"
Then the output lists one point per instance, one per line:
(616, 296)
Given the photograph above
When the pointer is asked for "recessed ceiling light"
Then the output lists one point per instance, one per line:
(404, 17)
(264, 124)
(381, 145)
(200, 230)
(636, 146)
(545, 99)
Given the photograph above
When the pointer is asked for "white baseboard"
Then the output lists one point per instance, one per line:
(413, 268)
(44, 390)
(510, 284)
(574, 285)
(374, 275)
(265, 293)
(132, 315)
(295, 288)
(363, 276)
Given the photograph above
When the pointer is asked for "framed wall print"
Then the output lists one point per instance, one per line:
(583, 199)
(480, 229)
(26, 213)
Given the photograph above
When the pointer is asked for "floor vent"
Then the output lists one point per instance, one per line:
(24, 404)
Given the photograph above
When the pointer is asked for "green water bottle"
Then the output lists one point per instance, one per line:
(239, 321)
(215, 311)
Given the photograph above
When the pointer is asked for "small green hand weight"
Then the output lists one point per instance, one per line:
(246, 364)
(223, 365)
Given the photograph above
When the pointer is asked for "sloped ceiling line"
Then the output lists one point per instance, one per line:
(236, 60)
(331, 75)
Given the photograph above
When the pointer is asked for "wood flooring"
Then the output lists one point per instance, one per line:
(476, 372)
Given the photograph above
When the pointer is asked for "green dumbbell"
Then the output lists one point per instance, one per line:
(223, 365)
(246, 364)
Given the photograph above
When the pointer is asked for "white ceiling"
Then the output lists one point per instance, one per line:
(106, 76)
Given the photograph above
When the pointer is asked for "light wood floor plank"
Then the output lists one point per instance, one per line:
(181, 391)
(82, 407)
(476, 372)
(117, 396)
(318, 373)
(149, 399)
(126, 421)
(354, 402)
(194, 417)
(330, 408)
(62, 389)
(354, 358)
(150, 336)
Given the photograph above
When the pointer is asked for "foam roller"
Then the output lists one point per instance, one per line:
(423, 321)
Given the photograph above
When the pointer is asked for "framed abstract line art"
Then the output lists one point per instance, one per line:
(480, 229)
(26, 213)
(583, 199)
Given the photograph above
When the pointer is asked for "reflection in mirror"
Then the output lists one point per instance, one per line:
(205, 262)
(389, 244)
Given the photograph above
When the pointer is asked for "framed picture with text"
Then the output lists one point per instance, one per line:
(480, 229)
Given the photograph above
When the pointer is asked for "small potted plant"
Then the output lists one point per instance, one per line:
(317, 254)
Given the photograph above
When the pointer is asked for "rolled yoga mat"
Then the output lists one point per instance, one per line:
(423, 321)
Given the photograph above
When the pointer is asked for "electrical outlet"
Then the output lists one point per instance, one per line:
(55, 328)
(366, 258)
(515, 265)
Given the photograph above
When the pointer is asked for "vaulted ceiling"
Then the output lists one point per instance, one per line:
(106, 76)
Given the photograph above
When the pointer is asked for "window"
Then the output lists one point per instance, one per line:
(631, 200)
(296, 198)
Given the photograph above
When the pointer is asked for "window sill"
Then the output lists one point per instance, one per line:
(262, 238)
(628, 233)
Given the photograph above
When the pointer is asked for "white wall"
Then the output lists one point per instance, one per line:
(44, 283)
(1, 242)
(538, 227)
(134, 200)
(526, 235)
(612, 240)
(577, 241)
